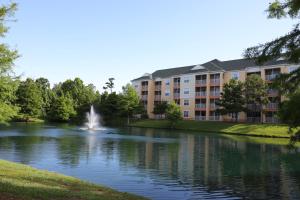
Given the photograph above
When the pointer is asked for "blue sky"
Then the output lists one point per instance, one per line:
(97, 39)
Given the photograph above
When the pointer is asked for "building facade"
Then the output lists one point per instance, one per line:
(196, 88)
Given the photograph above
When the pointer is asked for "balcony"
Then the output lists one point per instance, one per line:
(201, 94)
(176, 95)
(213, 106)
(200, 118)
(144, 97)
(200, 106)
(201, 82)
(157, 97)
(253, 119)
(214, 94)
(254, 107)
(271, 106)
(176, 85)
(158, 88)
(273, 92)
(271, 77)
(214, 82)
(144, 87)
(272, 120)
(214, 118)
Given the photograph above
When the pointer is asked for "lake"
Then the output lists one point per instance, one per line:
(159, 164)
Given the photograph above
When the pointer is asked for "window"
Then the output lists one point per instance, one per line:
(167, 82)
(186, 80)
(235, 75)
(186, 91)
(136, 86)
(185, 113)
(293, 68)
(186, 102)
(167, 94)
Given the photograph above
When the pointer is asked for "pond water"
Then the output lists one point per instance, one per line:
(159, 164)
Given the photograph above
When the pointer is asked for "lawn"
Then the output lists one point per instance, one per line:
(21, 182)
(264, 130)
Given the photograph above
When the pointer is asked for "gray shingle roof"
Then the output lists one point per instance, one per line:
(213, 65)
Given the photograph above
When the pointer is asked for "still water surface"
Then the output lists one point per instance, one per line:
(159, 164)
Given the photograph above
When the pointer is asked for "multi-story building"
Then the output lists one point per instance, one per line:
(196, 88)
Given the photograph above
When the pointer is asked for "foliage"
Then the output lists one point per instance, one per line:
(62, 109)
(8, 85)
(110, 84)
(46, 92)
(173, 113)
(131, 104)
(256, 90)
(232, 100)
(29, 99)
(289, 112)
(110, 105)
(160, 108)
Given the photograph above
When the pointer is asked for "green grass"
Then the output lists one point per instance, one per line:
(263, 130)
(22, 182)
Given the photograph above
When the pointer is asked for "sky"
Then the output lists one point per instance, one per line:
(99, 39)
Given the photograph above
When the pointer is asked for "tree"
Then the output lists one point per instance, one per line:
(160, 108)
(29, 98)
(46, 92)
(287, 46)
(110, 105)
(256, 90)
(130, 101)
(62, 109)
(8, 85)
(173, 113)
(110, 84)
(232, 100)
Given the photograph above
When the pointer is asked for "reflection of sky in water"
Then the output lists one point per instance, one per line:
(159, 164)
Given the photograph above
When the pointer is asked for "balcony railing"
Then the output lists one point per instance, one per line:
(157, 97)
(214, 118)
(254, 119)
(215, 81)
(273, 92)
(213, 106)
(176, 84)
(200, 105)
(272, 106)
(200, 94)
(201, 82)
(254, 107)
(158, 88)
(270, 77)
(215, 93)
(144, 97)
(273, 120)
(200, 118)
(144, 87)
(176, 95)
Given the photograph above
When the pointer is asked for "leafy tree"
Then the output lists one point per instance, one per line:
(61, 109)
(29, 98)
(160, 108)
(110, 84)
(256, 90)
(290, 111)
(46, 92)
(232, 100)
(173, 113)
(287, 46)
(130, 101)
(110, 105)
(8, 85)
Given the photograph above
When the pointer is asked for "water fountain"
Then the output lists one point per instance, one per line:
(93, 120)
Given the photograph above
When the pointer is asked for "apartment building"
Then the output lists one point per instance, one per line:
(196, 88)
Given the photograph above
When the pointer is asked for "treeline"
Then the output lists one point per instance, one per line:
(68, 101)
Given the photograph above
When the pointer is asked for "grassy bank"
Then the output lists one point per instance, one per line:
(21, 182)
(263, 130)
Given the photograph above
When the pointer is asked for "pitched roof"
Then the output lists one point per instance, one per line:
(213, 65)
